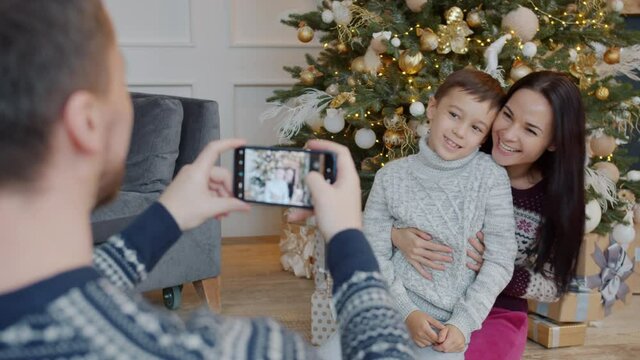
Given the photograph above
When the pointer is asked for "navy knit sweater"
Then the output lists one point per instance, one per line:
(94, 313)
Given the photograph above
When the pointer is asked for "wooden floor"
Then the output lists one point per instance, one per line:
(253, 284)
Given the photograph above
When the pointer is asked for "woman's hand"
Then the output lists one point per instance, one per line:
(477, 254)
(420, 251)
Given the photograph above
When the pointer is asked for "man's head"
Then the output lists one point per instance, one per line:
(62, 92)
(461, 113)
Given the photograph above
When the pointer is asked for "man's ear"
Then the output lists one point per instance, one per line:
(80, 121)
(432, 106)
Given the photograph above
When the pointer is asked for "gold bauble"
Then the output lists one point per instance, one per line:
(394, 122)
(393, 138)
(454, 14)
(612, 56)
(474, 19)
(357, 64)
(428, 40)
(342, 48)
(411, 63)
(386, 60)
(627, 196)
(307, 77)
(608, 169)
(603, 145)
(602, 93)
(351, 81)
(519, 70)
(305, 33)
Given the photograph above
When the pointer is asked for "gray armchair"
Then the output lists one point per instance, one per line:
(168, 133)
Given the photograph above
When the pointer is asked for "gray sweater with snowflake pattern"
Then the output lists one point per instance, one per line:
(451, 200)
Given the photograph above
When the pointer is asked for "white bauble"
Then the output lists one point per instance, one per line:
(594, 215)
(333, 90)
(365, 138)
(633, 175)
(416, 5)
(327, 16)
(417, 108)
(623, 234)
(616, 5)
(334, 121)
(395, 42)
(523, 21)
(529, 49)
(422, 130)
(342, 12)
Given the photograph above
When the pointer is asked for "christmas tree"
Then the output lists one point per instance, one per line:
(382, 60)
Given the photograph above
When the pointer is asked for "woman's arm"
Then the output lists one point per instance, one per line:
(528, 284)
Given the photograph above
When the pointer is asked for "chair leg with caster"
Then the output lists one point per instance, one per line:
(172, 297)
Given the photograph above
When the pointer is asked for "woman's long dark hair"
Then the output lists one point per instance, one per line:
(563, 216)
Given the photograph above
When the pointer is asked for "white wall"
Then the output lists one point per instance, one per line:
(231, 51)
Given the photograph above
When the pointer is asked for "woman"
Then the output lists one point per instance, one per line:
(538, 136)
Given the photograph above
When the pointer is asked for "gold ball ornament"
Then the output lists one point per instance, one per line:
(411, 63)
(351, 81)
(612, 56)
(393, 138)
(474, 18)
(627, 196)
(358, 65)
(608, 169)
(428, 40)
(519, 70)
(602, 93)
(454, 14)
(305, 33)
(603, 145)
(307, 77)
(342, 48)
(394, 122)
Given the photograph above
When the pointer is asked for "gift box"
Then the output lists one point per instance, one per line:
(572, 307)
(586, 264)
(634, 252)
(617, 267)
(553, 335)
(297, 244)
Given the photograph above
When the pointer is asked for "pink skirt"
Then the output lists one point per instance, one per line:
(503, 336)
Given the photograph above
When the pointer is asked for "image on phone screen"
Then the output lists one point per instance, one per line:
(276, 175)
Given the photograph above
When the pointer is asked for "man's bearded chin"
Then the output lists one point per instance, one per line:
(110, 183)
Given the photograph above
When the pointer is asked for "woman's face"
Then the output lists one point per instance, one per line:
(523, 130)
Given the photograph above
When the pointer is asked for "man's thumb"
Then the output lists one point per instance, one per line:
(227, 205)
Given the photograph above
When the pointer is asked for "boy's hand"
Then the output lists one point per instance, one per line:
(453, 340)
(421, 325)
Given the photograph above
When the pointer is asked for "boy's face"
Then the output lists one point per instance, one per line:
(459, 124)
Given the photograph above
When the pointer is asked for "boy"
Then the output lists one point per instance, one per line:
(450, 190)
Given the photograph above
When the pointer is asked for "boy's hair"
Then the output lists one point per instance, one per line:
(475, 82)
(49, 49)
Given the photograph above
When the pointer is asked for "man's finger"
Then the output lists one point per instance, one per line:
(317, 184)
(223, 176)
(210, 154)
(345, 166)
(228, 205)
(298, 214)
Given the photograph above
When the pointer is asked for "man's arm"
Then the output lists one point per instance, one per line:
(126, 258)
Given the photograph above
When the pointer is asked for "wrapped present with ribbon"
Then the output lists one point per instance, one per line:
(633, 281)
(587, 265)
(297, 247)
(616, 267)
(572, 307)
(553, 335)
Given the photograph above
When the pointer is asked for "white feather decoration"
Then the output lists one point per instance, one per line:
(603, 186)
(293, 114)
(491, 57)
(628, 66)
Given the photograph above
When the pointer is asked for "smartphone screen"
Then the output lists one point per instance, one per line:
(275, 176)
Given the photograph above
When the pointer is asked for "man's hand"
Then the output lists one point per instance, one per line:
(201, 190)
(453, 340)
(336, 206)
(421, 329)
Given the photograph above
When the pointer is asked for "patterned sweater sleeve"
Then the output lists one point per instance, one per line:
(528, 284)
(126, 258)
(377, 228)
(370, 326)
(499, 257)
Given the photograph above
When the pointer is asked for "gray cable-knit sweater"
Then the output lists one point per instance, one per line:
(451, 200)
